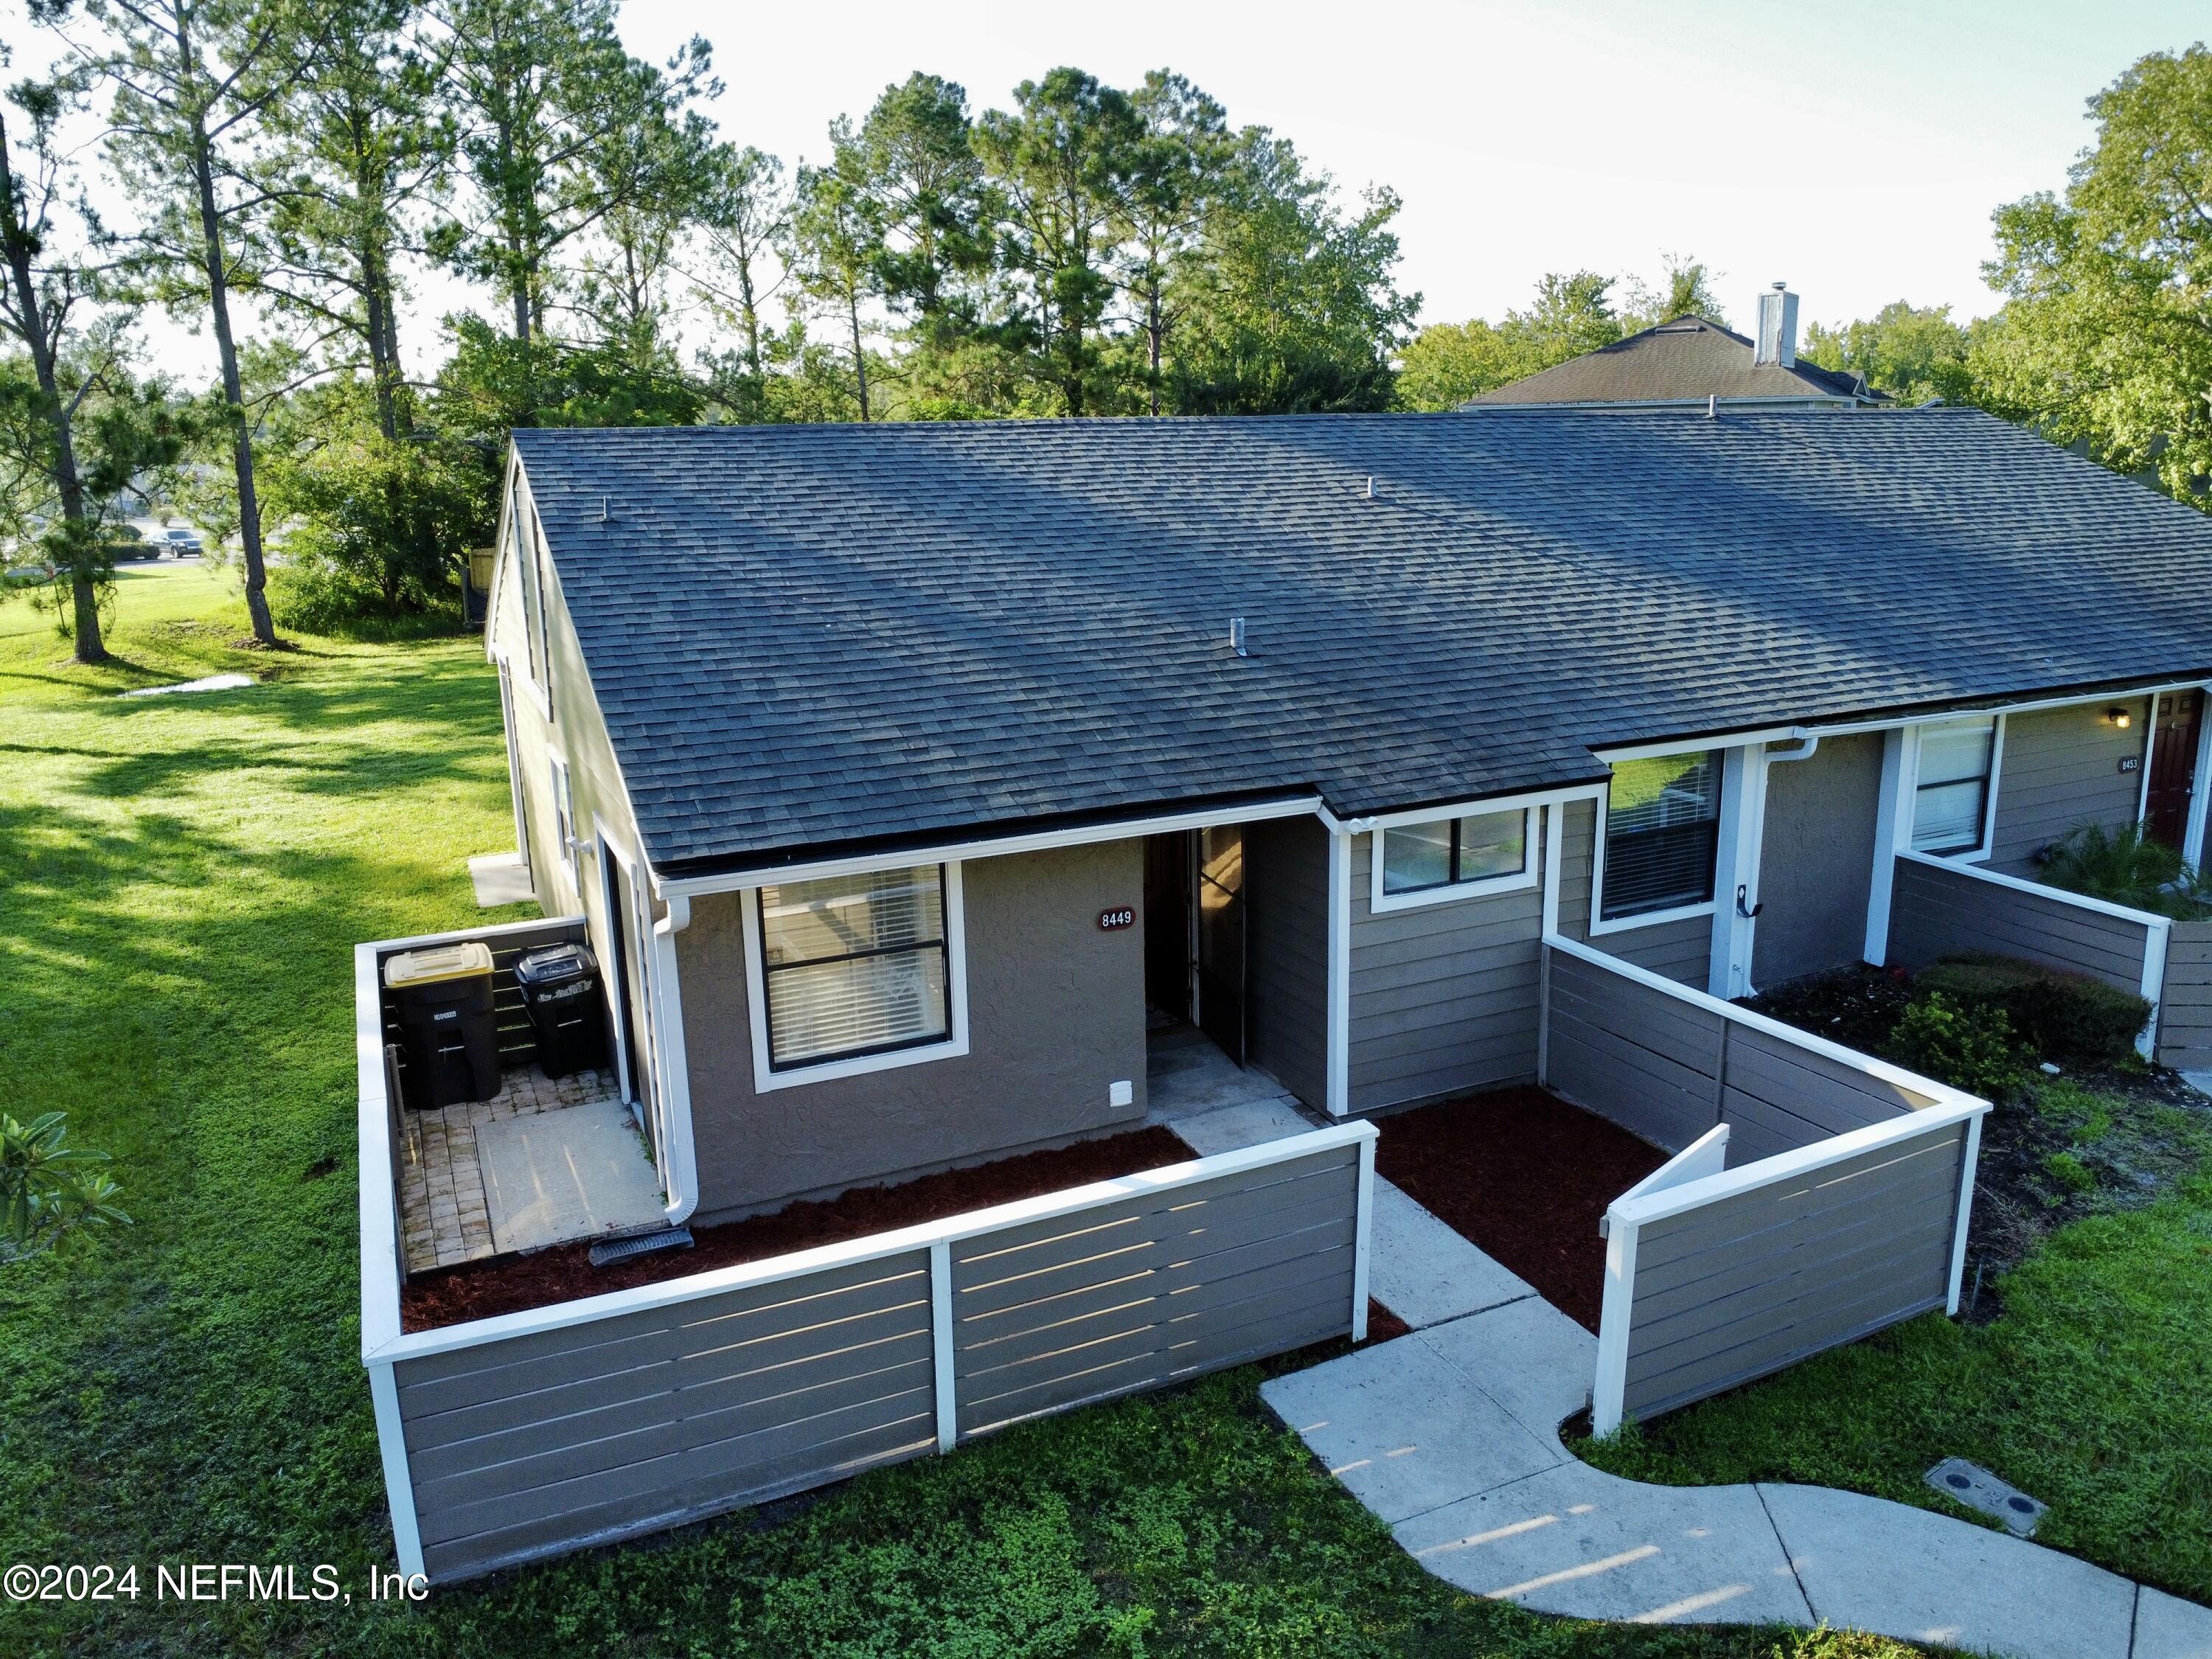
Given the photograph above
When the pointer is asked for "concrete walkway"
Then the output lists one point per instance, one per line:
(1450, 1435)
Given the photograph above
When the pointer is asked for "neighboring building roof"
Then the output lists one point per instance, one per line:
(803, 636)
(1685, 360)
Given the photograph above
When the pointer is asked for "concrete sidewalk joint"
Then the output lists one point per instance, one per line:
(1451, 1436)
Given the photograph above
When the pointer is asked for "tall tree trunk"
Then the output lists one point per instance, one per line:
(38, 338)
(233, 390)
(1154, 328)
(860, 358)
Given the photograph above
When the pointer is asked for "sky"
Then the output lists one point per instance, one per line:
(1852, 148)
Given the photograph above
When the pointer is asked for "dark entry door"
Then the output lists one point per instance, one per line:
(1167, 942)
(2173, 766)
(1221, 938)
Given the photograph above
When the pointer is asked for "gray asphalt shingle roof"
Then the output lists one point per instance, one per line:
(1683, 359)
(807, 635)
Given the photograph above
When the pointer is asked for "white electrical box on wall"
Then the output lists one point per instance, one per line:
(1123, 1093)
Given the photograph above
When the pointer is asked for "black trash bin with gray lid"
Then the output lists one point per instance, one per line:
(448, 1034)
(559, 989)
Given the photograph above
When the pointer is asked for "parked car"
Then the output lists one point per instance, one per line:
(127, 546)
(181, 543)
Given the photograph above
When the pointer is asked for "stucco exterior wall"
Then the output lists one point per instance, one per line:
(1056, 1016)
(1817, 863)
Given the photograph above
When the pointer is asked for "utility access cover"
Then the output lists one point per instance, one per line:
(1977, 1489)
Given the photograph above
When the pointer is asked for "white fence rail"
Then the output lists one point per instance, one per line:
(1715, 1280)
(533, 1433)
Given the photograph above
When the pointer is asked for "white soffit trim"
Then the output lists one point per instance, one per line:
(956, 852)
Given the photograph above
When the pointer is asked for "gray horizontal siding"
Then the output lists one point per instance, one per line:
(1754, 1283)
(1649, 1062)
(1936, 910)
(2061, 769)
(535, 1444)
(1286, 893)
(2184, 1009)
(1670, 1070)
(1151, 1290)
(1445, 996)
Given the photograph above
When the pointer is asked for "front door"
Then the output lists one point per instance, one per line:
(2173, 766)
(1221, 938)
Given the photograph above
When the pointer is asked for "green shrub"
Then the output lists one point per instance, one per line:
(2126, 866)
(1968, 1048)
(2061, 1015)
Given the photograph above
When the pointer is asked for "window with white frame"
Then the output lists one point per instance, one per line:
(522, 548)
(564, 816)
(1951, 792)
(1661, 833)
(855, 965)
(1477, 851)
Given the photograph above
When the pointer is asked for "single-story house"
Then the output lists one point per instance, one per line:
(1692, 361)
(913, 778)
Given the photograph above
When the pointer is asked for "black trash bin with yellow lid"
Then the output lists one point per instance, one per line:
(448, 1034)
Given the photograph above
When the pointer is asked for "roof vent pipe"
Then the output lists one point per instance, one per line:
(1777, 328)
(1236, 637)
(1370, 486)
(1712, 406)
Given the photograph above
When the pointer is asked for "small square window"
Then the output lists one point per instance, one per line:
(1455, 852)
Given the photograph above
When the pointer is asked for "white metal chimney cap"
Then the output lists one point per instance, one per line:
(1776, 342)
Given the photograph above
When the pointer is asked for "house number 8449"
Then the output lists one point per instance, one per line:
(1108, 920)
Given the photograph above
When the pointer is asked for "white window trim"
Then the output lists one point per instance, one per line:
(954, 1044)
(564, 822)
(1598, 922)
(1381, 903)
(1979, 854)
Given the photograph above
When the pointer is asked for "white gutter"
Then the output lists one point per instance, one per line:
(951, 852)
(681, 1151)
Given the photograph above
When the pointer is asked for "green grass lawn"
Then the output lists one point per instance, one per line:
(181, 882)
(2090, 1390)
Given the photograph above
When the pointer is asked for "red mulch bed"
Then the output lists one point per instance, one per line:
(1382, 1325)
(1527, 1177)
(448, 1296)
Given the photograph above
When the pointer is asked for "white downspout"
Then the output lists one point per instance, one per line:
(677, 1145)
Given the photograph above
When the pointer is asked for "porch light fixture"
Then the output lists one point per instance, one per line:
(2120, 717)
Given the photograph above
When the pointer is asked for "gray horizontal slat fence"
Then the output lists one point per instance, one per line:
(1670, 1064)
(1717, 1293)
(1936, 910)
(518, 1045)
(2184, 1005)
(1150, 1290)
(536, 1443)
(514, 1440)
(1644, 1058)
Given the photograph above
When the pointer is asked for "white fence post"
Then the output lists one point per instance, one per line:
(1974, 1153)
(941, 1319)
(398, 1481)
(2154, 984)
(1361, 1231)
(1611, 1386)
